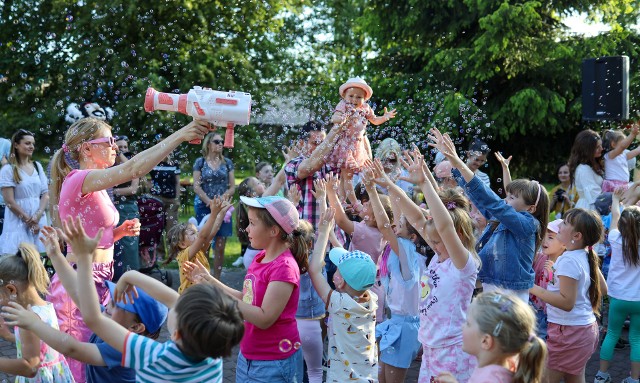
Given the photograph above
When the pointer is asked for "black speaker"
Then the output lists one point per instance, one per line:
(605, 88)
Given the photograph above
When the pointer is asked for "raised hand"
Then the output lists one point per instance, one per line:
(444, 144)
(74, 234)
(195, 272)
(327, 220)
(332, 182)
(294, 195)
(503, 161)
(414, 163)
(319, 189)
(379, 175)
(49, 237)
(16, 315)
(389, 114)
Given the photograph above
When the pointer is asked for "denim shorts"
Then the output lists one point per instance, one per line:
(399, 343)
(269, 371)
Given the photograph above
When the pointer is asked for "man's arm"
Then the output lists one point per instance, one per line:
(314, 162)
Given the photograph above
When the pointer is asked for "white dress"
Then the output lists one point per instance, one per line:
(27, 195)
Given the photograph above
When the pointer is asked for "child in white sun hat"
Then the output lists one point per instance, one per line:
(352, 148)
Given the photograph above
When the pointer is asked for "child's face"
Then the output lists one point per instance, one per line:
(367, 214)
(258, 188)
(265, 174)
(338, 281)
(476, 160)
(565, 235)
(551, 246)
(190, 235)
(471, 334)
(435, 243)
(355, 96)
(257, 231)
(517, 202)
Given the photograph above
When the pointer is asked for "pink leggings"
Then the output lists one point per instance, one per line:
(311, 339)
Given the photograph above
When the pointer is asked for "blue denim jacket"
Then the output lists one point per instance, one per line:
(507, 252)
(310, 305)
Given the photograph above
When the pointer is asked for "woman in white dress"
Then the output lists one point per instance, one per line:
(587, 168)
(25, 191)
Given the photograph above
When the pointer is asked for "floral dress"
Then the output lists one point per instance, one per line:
(53, 365)
(350, 149)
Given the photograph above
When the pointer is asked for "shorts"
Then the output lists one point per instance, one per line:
(399, 343)
(69, 316)
(570, 347)
(446, 359)
(270, 371)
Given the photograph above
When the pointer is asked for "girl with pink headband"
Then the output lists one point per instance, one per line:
(516, 227)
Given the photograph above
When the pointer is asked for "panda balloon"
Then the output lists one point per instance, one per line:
(87, 109)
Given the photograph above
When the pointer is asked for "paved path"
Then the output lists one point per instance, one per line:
(234, 277)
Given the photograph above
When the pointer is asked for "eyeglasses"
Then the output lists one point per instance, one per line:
(110, 140)
(26, 132)
(217, 142)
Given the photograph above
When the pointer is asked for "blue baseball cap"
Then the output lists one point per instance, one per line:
(357, 268)
(151, 312)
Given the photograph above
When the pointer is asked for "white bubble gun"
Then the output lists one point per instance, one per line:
(226, 109)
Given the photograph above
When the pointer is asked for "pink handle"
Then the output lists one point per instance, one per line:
(228, 136)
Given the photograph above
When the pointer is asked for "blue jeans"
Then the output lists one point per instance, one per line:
(269, 371)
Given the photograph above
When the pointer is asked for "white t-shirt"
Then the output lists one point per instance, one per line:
(483, 177)
(403, 296)
(351, 329)
(623, 280)
(575, 265)
(616, 169)
(445, 296)
(588, 185)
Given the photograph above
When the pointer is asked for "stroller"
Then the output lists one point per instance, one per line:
(152, 224)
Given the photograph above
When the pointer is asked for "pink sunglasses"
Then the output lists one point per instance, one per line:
(110, 140)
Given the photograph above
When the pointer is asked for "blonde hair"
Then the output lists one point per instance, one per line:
(78, 133)
(388, 146)
(25, 267)
(458, 207)
(176, 235)
(512, 323)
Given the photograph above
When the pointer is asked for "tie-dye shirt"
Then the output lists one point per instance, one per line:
(445, 295)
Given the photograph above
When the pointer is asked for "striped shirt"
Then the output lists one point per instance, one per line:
(164, 362)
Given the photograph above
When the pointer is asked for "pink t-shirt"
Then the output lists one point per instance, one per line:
(368, 240)
(445, 295)
(492, 373)
(95, 209)
(282, 339)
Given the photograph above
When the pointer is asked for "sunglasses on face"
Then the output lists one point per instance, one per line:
(217, 142)
(26, 132)
(110, 140)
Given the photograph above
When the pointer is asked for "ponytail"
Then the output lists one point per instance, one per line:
(531, 361)
(595, 292)
(299, 244)
(26, 267)
(589, 224)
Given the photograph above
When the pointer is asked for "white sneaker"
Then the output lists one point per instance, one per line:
(600, 379)
(629, 380)
(238, 262)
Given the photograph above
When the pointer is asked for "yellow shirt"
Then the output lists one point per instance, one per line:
(183, 256)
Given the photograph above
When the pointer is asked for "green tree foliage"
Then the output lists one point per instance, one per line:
(506, 71)
(56, 52)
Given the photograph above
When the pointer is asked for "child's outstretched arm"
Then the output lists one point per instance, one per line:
(377, 120)
(341, 217)
(197, 273)
(317, 258)
(383, 223)
(320, 194)
(218, 206)
(83, 248)
(65, 344)
(624, 144)
(29, 364)
(66, 274)
(441, 218)
(615, 208)
(506, 174)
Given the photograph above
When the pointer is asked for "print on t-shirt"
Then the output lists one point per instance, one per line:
(247, 289)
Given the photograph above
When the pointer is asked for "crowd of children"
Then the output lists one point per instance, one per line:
(360, 278)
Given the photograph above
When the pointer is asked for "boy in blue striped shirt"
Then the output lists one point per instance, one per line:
(204, 323)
